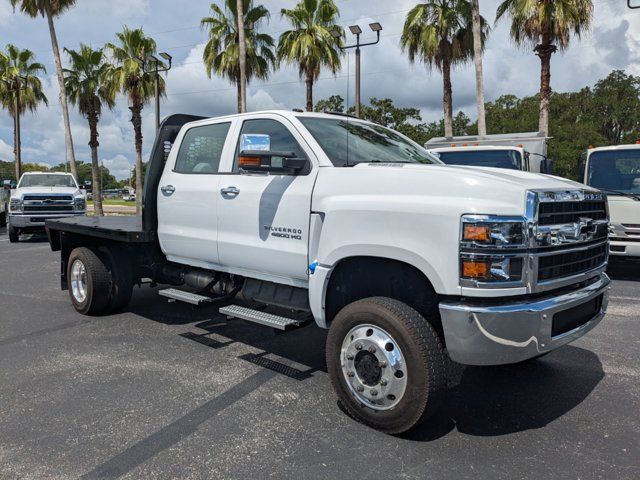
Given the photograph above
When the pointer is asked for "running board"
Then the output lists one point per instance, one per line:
(263, 318)
(174, 294)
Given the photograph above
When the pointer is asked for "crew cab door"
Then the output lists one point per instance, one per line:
(263, 219)
(188, 194)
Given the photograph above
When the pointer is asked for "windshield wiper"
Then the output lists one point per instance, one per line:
(618, 192)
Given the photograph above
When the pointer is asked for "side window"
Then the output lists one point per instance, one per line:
(201, 149)
(266, 134)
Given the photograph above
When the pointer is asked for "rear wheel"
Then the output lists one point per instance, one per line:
(14, 235)
(386, 363)
(89, 282)
(119, 264)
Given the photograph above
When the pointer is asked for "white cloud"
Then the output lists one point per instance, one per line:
(119, 166)
(6, 151)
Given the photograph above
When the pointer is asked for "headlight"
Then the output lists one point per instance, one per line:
(80, 203)
(488, 231)
(15, 205)
(492, 251)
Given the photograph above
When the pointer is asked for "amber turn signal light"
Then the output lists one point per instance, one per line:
(476, 233)
(473, 269)
(249, 161)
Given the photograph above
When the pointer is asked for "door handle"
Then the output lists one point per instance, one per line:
(230, 191)
(168, 190)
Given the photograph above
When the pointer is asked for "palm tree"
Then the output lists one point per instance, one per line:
(89, 85)
(439, 32)
(311, 43)
(546, 26)
(136, 84)
(221, 53)
(50, 9)
(477, 60)
(20, 90)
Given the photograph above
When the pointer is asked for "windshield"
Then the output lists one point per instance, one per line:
(348, 142)
(510, 159)
(47, 180)
(615, 170)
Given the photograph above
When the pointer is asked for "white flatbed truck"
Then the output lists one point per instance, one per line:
(281, 218)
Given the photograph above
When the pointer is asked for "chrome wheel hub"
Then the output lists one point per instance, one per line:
(373, 367)
(78, 281)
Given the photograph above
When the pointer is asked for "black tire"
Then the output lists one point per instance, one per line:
(14, 235)
(119, 264)
(98, 282)
(3, 219)
(423, 352)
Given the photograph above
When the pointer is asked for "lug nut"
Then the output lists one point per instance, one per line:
(383, 364)
(350, 374)
(358, 346)
(360, 388)
(349, 356)
(383, 383)
(374, 393)
(372, 349)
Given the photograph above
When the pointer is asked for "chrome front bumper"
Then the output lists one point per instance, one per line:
(37, 220)
(494, 335)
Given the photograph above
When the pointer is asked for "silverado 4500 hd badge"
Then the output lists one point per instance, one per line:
(284, 232)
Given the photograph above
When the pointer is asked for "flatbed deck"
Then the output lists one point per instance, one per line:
(126, 229)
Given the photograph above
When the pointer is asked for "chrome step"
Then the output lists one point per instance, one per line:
(187, 297)
(256, 316)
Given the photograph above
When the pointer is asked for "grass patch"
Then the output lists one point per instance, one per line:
(110, 201)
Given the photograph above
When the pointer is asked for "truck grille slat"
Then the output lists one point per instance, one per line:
(571, 263)
(557, 213)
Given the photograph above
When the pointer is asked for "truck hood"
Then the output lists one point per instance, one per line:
(450, 189)
(516, 178)
(46, 190)
(623, 210)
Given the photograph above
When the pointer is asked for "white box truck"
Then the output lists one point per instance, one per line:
(615, 170)
(514, 151)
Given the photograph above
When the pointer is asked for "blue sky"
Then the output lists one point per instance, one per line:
(614, 42)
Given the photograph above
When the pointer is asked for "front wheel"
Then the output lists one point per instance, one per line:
(14, 235)
(386, 363)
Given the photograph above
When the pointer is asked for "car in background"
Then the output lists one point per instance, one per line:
(40, 196)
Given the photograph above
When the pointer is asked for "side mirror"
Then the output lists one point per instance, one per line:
(546, 166)
(581, 167)
(268, 161)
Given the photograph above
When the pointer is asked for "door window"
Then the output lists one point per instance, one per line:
(266, 134)
(201, 149)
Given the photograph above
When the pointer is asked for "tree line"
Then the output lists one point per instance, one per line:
(438, 33)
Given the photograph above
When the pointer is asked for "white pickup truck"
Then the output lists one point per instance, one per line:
(281, 218)
(40, 196)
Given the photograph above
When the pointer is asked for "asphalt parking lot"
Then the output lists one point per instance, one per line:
(164, 391)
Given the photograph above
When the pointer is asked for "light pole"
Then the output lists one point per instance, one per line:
(356, 30)
(151, 64)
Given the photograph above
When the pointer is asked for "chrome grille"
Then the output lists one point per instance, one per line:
(47, 203)
(569, 232)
